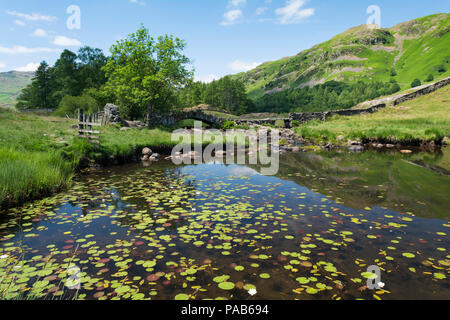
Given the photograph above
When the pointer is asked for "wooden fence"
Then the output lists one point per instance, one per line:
(86, 125)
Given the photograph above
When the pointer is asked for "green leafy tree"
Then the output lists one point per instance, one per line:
(90, 69)
(416, 83)
(429, 78)
(65, 73)
(38, 94)
(144, 74)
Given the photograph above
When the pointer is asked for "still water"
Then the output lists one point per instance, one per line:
(217, 231)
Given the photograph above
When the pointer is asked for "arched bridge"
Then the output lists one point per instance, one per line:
(176, 116)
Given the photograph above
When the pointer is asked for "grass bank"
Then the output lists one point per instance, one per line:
(40, 154)
(424, 119)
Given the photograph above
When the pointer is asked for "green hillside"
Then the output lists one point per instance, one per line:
(11, 83)
(410, 50)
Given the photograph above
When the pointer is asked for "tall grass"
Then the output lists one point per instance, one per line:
(27, 176)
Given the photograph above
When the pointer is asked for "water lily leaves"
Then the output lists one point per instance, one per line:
(226, 285)
(222, 278)
(302, 280)
(181, 296)
(239, 268)
(439, 276)
(248, 287)
(264, 276)
(408, 255)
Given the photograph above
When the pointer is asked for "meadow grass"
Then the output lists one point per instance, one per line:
(40, 154)
(424, 119)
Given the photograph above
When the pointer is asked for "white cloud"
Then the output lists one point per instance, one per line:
(260, 11)
(239, 65)
(66, 42)
(29, 67)
(231, 17)
(2, 65)
(237, 3)
(293, 12)
(25, 50)
(19, 23)
(206, 78)
(31, 17)
(39, 33)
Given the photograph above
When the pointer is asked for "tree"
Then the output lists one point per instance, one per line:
(416, 83)
(66, 76)
(429, 78)
(144, 75)
(91, 62)
(38, 94)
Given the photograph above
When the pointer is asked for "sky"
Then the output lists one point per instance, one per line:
(223, 36)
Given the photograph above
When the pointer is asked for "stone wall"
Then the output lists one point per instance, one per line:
(322, 116)
(172, 118)
(420, 92)
(308, 116)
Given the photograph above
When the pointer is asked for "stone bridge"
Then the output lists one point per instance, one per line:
(198, 113)
(176, 116)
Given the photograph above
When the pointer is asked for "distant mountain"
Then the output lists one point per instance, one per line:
(413, 49)
(11, 83)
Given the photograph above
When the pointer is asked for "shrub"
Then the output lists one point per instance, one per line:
(69, 105)
(429, 78)
(441, 68)
(280, 124)
(295, 123)
(228, 125)
(416, 83)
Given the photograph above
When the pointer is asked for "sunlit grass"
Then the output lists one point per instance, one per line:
(426, 118)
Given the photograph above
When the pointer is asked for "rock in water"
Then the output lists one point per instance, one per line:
(356, 148)
(147, 152)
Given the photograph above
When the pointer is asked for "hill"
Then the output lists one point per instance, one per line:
(409, 50)
(414, 122)
(11, 83)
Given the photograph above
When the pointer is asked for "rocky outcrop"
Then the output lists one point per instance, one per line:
(112, 114)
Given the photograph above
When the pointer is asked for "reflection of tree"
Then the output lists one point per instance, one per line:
(372, 179)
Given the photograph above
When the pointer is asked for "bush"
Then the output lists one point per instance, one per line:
(295, 123)
(416, 83)
(441, 68)
(69, 105)
(429, 78)
(228, 125)
(280, 124)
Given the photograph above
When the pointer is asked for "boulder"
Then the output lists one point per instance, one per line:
(112, 114)
(406, 151)
(145, 158)
(156, 156)
(147, 152)
(390, 146)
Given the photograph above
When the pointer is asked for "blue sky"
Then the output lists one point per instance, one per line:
(223, 36)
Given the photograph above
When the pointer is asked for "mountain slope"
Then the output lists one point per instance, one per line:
(410, 50)
(11, 83)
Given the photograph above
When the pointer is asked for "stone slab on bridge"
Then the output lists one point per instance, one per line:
(176, 116)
